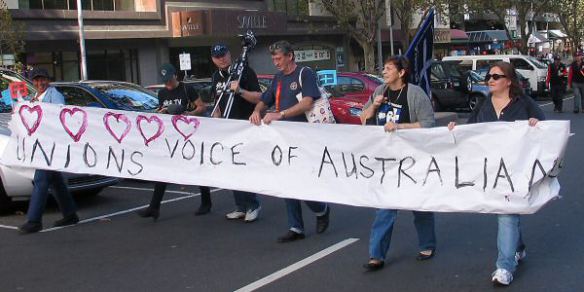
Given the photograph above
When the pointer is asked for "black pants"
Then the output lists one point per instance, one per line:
(160, 188)
(557, 92)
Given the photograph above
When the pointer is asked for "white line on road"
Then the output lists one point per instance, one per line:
(8, 227)
(297, 266)
(549, 103)
(190, 195)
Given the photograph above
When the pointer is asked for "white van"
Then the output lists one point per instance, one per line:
(528, 66)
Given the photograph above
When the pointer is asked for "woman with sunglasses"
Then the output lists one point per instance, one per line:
(399, 105)
(506, 103)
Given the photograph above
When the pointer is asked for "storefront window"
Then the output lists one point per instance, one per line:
(291, 7)
(96, 5)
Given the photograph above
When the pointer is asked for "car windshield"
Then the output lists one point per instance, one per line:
(537, 63)
(477, 76)
(128, 96)
(7, 77)
(374, 78)
(452, 69)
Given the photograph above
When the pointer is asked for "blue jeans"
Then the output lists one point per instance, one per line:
(509, 241)
(383, 227)
(245, 201)
(295, 222)
(43, 179)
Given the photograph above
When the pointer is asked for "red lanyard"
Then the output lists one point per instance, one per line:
(278, 91)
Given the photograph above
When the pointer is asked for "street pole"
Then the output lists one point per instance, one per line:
(379, 46)
(389, 22)
(82, 41)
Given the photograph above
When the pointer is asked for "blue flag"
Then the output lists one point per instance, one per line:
(420, 54)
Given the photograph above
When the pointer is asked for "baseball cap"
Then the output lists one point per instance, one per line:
(39, 72)
(219, 50)
(167, 72)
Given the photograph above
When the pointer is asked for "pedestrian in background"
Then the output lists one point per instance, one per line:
(555, 82)
(576, 81)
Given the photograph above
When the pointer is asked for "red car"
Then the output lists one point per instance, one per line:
(348, 96)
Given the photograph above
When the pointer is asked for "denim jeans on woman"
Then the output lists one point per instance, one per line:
(43, 179)
(509, 241)
(382, 228)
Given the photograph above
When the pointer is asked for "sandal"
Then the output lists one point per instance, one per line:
(425, 254)
(374, 265)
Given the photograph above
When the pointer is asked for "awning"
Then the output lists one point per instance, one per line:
(536, 37)
(458, 34)
(487, 36)
(556, 34)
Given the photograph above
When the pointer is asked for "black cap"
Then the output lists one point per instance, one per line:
(219, 50)
(167, 72)
(39, 72)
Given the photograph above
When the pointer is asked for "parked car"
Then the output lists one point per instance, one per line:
(450, 86)
(528, 66)
(350, 94)
(197, 84)
(17, 185)
(108, 94)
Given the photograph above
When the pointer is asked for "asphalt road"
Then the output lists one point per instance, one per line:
(181, 252)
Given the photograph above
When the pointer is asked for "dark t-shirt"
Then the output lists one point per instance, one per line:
(289, 88)
(241, 108)
(395, 109)
(181, 95)
(578, 72)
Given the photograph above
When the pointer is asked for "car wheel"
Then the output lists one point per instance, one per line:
(436, 104)
(473, 100)
(5, 201)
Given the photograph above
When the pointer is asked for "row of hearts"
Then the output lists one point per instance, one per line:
(77, 136)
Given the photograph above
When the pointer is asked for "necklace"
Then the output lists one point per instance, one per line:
(398, 95)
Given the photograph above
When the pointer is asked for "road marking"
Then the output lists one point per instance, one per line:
(549, 103)
(297, 266)
(149, 190)
(93, 219)
(8, 227)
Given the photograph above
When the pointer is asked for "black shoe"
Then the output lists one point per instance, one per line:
(374, 266)
(422, 257)
(30, 227)
(149, 212)
(322, 222)
(290, 236)
(203, 209)
(67, 220)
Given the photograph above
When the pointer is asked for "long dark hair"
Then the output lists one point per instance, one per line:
(515, 89)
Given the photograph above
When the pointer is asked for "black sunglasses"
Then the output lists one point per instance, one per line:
(494, 76)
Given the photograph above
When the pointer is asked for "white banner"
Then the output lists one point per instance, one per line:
(486, 168)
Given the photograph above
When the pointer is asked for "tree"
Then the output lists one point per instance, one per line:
(404, 12)
(360, 19)
(570, 13)
(11, 36)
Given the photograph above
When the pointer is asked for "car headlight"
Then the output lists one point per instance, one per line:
(355, 111)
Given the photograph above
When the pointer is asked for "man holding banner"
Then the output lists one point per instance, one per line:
(176, 99)
(43, 179)
(282, 94)
(399, 105)
(247, 95)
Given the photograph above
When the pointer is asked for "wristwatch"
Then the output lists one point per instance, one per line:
(283, 114)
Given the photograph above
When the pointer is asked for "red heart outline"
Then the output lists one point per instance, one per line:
(37, 123)
(71, 112)
(187, 120)
(118, 117)
(156, 119)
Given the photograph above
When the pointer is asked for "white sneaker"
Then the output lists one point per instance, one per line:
(252, 215)
(520, 255)
(235, 215)
(502, 277)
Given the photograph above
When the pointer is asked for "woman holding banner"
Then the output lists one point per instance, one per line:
(507, 103)
(399, 105)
